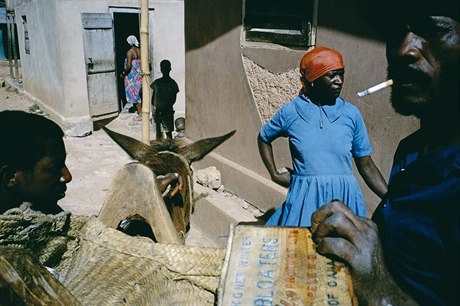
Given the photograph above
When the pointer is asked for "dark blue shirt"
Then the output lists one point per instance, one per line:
(419, 223)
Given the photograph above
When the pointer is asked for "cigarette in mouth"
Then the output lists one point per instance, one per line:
(375, 88)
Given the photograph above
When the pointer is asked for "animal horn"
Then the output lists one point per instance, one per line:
(135, 148)
(200, 148)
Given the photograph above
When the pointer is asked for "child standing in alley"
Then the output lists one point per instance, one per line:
(164, 94)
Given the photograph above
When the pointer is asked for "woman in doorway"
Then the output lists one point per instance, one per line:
(132, 75)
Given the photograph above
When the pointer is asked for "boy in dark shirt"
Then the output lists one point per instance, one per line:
(164, 94)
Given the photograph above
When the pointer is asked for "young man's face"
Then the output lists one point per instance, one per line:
(46, 183)
(423, 61)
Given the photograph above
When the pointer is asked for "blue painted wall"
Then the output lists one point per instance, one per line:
(3, 33)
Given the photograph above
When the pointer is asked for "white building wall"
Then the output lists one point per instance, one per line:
(169, 43)
(54, 73)
(42, 71)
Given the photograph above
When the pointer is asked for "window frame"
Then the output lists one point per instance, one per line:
(278, 22)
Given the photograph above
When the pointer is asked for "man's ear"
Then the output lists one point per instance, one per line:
(7, 176)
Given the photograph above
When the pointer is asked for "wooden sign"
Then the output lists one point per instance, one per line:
(280, 266)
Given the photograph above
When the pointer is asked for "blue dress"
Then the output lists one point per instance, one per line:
(322, 141)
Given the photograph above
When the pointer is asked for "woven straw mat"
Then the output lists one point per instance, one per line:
(102, 266)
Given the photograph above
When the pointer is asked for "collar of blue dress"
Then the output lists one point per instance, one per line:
(306, 108)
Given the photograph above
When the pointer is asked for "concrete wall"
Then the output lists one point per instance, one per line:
(43, 66)
(232, 84)
(169, 43)
(54, 73)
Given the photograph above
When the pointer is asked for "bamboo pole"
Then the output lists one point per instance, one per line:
(13, 43)
(144, 33)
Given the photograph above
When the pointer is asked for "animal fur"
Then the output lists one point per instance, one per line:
(167, 156)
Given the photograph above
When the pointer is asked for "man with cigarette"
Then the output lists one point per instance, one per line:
(408, 254)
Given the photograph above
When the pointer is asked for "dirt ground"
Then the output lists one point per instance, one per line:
(93, 160)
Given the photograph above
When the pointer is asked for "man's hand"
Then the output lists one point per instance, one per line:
(341, 235)
(338, 232)
(170, 179)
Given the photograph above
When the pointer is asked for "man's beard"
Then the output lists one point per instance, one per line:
(412, 91)
(425, 102)
(415, 93)
(409, 105)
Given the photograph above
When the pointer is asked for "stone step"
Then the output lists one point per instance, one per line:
(213, 213)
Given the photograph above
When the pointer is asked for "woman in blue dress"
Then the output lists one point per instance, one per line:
(325, 133)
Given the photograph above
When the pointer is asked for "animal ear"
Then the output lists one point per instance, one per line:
(201, 148)
(135, 148)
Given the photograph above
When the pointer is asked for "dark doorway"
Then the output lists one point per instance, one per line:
(125, 24)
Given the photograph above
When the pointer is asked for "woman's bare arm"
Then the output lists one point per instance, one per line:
(371, 175)
(266, 153)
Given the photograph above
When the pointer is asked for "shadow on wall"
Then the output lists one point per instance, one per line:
(207, 20)
(354, 25)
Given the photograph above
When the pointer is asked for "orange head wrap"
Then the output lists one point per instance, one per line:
(319, 61)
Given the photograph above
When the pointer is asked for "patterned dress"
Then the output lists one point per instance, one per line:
(322, 140)
(133, 80)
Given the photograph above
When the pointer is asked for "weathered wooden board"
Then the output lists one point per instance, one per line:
(279, 266)
(134, 193)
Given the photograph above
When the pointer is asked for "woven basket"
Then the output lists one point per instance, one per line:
(111, 268)
(102, 266)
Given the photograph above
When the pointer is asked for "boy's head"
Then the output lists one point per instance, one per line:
(165, 66)
(32, 160)
(180, 124)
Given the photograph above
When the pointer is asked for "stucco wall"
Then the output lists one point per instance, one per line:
(42, 68)
(218, 94)
(54, 73)
(229, 81)
(168, 43)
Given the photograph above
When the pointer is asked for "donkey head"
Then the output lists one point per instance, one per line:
(167, 156)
